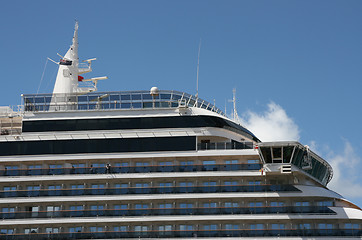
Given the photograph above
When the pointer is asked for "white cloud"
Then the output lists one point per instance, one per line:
(271, 125)
(346, 168)
(275, 125)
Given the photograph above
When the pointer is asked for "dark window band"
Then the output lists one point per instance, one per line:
(134, 123)
(98, 146)
(169, 211)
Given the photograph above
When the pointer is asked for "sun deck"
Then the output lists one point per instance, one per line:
(96, 101)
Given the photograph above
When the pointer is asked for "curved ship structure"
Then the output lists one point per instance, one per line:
(81, 164)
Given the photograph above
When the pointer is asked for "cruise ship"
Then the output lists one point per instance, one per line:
(82, 164)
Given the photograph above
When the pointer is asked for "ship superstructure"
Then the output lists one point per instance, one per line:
(81, 164)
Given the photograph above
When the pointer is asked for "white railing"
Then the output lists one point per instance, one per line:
(113, 100)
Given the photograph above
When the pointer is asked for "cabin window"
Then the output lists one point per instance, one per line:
(258, 226)
(351, 226)
(302, 204)
(11, 171)
(210, 205)
(96, 229)
(255, 204)
(304, 226)
(165, 205)
(231, 183)
(141, 228)
(30, 230)
(276, 204)
(6, 231)
(53, 211)
(75, 229)
(210, 227)
(121, 229)
(231, 226)
(119, 207)
(253, 161)
(186, 227)
(325, 226)
(231, 204)
(325, 203)
(165, 228)
(276, 226)
(168, 184)
(186, 205)
(166, 163)
(52, 230)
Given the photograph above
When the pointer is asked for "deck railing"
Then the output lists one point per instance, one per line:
(129, 169)
(186, 234)
(113, 100)
(37, 192)
(168, 211)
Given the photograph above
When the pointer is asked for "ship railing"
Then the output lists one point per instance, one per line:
(113, 101)
(11, 125)
(37, 192)
(10, 120)
(215, 231)
(129, 169)
(225, 145)
(168, 211)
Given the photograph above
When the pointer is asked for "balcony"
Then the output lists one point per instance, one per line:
(186, 234)
(167, 211)
(224, 145)
(130, 169)
(148, 190)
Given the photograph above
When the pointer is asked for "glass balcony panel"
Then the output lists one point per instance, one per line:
(56, 171)
(11, 172)
(142, 169)
(76, 213)
(34, 170)
(125, 105)
(125, 97)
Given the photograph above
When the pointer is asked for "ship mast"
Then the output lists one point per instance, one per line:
(66, 86)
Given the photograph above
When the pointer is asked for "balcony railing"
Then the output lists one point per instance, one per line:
(224, 145)
(168, 211)
(113, 100)
(133, 169)
(187, 234)
(148, 190)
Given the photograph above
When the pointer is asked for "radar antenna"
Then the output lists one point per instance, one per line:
(197, 74)
(235, 113)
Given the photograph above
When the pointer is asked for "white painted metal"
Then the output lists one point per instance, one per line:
(67, 82)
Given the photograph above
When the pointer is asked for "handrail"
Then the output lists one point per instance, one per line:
(168, 211)
(129, 169)
(185, 233)
(111, 101)
(148, 190)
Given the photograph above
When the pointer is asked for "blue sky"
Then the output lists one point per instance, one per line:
(296, 65)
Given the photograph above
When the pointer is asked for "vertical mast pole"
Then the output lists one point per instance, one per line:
(197, 74)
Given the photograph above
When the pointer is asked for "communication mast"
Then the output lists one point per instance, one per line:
(235, 112)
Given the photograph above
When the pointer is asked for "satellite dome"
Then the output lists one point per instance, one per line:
(154, 91)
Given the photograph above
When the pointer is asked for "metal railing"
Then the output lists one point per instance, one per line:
(130, 169)
(148, 190)
(224, 145)
(184, 234)
(168, 211)
(113, 100)
(10, 125)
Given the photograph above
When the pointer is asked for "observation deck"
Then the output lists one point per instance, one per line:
(97, 101)
(289, 152)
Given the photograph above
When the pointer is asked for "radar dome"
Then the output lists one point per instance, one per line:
(154, 91)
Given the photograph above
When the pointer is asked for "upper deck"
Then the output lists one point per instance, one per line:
(98, 101)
